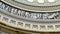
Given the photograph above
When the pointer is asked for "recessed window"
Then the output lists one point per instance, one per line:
(41, 1)
(30, 0)
(51, 0)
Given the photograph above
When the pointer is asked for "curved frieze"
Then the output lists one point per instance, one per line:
(9, 15)
(13, 22)
(26, 14)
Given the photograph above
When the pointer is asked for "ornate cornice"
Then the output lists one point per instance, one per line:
(11, 18)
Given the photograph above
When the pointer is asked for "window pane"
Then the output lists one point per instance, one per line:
(30, 0)
(51, 0)
(41, 1)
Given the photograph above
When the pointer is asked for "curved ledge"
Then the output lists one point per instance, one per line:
(33, 9)
(25, 2)
(13, 29)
